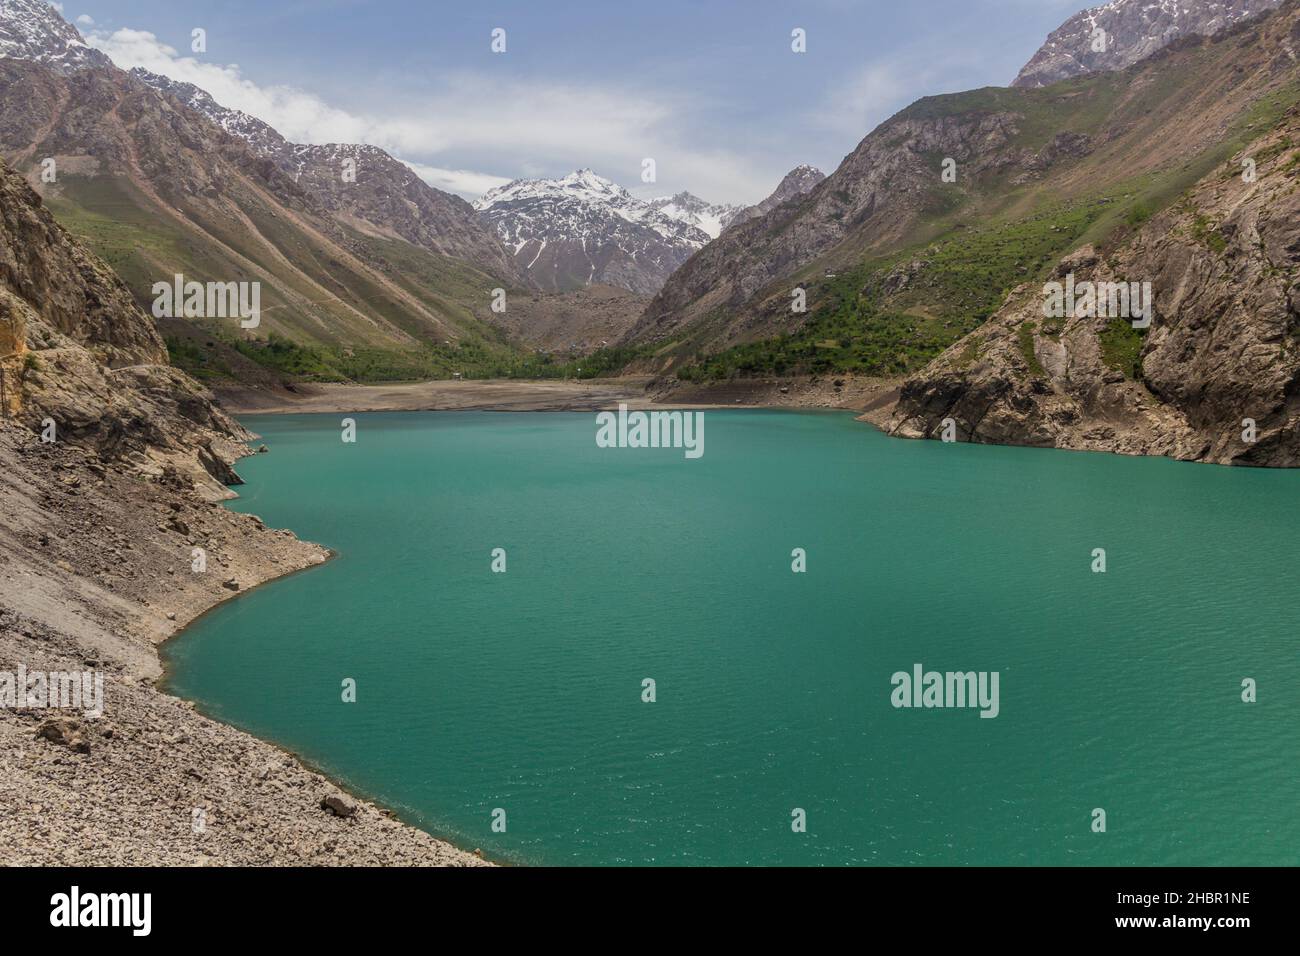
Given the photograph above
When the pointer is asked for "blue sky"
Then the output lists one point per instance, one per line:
(709, 89)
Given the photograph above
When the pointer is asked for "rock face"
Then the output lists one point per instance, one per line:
(33, 30)
(79, 354)
(51, 286)
(1133, 30)
(1215, 378)
(796, 182)
(584, 229)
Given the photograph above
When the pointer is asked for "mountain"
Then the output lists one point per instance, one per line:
(264, 139)
(1134, 174)
(1134, 29)
(709, 218)
(33, 30)
(381, 276)
(159, 190)
(386, 198)
(797, 182)
(740, 285)
(584, 229)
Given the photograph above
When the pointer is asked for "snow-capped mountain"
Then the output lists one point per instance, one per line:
(584, 229)
(33, 30)
(796, 182)
(709, 218)
(1134, 29)
(265, 139)
(385, 192)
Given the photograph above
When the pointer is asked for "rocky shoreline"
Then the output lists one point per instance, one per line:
(95, 562)
(112, 538)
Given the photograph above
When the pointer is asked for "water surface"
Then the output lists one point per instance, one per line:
(522, 690)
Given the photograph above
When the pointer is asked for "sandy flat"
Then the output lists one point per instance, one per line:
(551, 395)
(496, 395)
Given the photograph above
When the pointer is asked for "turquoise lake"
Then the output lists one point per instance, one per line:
(523, 691)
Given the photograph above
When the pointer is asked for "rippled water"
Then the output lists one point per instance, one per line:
(522, 690)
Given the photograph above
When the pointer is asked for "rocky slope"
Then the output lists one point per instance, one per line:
(386, 198)
(576, 322)
(1222, 352)
(739, 285)
(1133, 30)
(584, 229)
(75, 351)
(97, 533)
(33, 30)
(795, 183)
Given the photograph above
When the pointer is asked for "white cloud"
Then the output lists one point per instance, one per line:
(86, 20)
(462, 181)
(513, 125)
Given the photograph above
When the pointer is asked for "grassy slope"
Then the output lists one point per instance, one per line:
(402, 313)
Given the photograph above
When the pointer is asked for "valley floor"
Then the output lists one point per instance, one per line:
(842, 392)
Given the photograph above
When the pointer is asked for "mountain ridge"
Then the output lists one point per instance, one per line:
(33, 30)
(1118, 34)
(583, 229)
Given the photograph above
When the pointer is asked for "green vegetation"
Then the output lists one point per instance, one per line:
(1087, 101)
(957, 283)
(1025, 334)
(191, 359)
(1138, 213)
(1205, 231)
(469, 359)
(1121, 347)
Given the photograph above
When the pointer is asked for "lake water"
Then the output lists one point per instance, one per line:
(523, 691)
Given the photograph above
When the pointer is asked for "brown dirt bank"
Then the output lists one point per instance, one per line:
(847, 392)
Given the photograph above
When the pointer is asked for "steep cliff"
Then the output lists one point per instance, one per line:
(77, 354)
